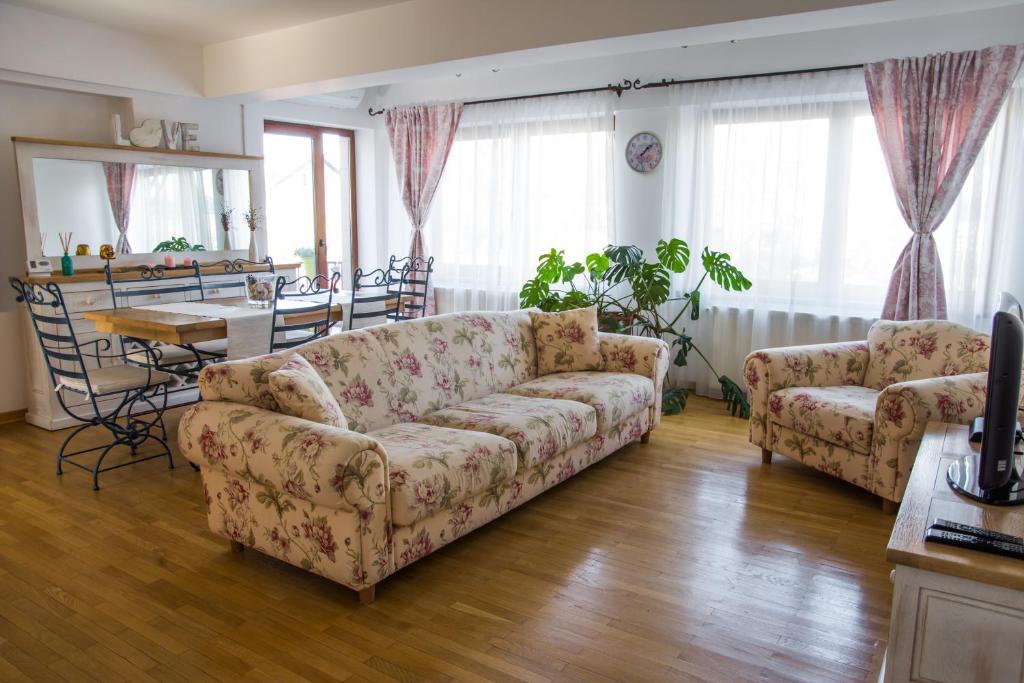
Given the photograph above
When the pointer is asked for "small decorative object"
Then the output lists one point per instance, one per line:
(40, 266)
(225, 222)
(171, 133)
(187, 262)
(107, 252)
(116, 131)
(168, 260)
(189, 136)
(149, 134)
(83, 250)
(67, 266)
(259, 289)
(252, 219)
(643, 152)
(178, 244)
(42, 243)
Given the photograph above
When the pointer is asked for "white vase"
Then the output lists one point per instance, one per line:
(227, 240)
(253, 252)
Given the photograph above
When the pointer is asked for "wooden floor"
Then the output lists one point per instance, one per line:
(682, 560)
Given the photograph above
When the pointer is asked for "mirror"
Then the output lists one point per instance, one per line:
(158, 203)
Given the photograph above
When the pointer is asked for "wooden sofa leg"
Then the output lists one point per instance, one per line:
(890, 507)
(766, 456)
(646, 437)
(367, 595)
(237, 547)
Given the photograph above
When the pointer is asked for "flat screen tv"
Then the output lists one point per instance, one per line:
(993, 476)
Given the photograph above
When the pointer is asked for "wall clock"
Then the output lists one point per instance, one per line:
(643, 152)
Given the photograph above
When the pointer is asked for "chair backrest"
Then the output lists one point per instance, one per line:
(411, 278)
(54, 330)
(239, 267)
(184, 280)
(900, 351)
(372, 297)
(307, 304)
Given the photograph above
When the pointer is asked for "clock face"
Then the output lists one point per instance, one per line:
(643, 153)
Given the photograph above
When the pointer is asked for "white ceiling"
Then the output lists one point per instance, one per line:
(200, 21)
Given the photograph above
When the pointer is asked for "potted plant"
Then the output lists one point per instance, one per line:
(631, 294)
(177, 244)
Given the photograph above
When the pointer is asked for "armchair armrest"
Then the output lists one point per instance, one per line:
(902, 412)
(644, 356)
(818, 365)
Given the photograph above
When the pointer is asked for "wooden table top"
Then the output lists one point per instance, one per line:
(182, 328)
(928, 496)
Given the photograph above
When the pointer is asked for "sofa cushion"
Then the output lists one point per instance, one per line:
(843, 415)
(300, 392)
(435, 468)
(566, 340)
(541, 428)
(615, 396)
(921, 349)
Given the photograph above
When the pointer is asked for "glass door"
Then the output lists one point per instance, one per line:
(310, 198)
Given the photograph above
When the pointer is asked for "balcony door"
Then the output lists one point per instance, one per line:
(311, 200)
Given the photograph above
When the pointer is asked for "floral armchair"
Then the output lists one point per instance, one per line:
(858, 410)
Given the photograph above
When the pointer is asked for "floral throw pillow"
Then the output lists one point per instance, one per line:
(567, 341)
(300, 392)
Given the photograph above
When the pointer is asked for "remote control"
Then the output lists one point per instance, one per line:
(946, 525)
(974, 543)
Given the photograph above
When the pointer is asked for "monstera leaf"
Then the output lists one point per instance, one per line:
(673, 400)
(721, 270)
(674, 254)
(694, 298)
(651, 285)
(597, 264)
(735, 398)
(534, 293)
(575, 299)
(569, 272)
(551, 266)
(685, 343)
(624, 262)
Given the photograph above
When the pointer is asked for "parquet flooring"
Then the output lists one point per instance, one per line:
(681, 560)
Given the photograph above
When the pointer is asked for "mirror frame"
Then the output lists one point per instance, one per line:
(27, 149)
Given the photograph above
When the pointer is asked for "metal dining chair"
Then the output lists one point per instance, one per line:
(240, 267)
(115, 393)
(373, 297)
(410, 277)
(310, 300)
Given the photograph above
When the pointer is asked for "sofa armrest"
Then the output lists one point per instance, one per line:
(241, 381)
(902, 412)
(644, 356)
(818, 365)
(318, 463)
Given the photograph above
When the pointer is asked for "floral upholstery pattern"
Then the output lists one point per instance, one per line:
(434, 468)
(842, 415)
(540, 428)
(615, 396)
(566, 340)
(300, 392)
(242, 381)
(902, 351)
(643, 356)
(812, 403)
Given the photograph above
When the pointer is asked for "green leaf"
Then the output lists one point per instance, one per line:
(570, 272)
(549, 268)
(576, 299)
(597, 264)
(533, 293)
(695, 304)
(651, 285)
(723, 272)
(625, 260)
(735, 398)
(673, 400)
(674, 254)
(685, 343)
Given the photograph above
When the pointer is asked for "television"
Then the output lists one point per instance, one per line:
(993, 476)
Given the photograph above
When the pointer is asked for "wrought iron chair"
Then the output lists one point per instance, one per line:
(239, 267)
(114, 392)
(310, 298)
(410, 277)
(373, 296)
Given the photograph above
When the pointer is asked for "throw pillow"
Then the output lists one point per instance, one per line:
(300, 392)
(566, 341)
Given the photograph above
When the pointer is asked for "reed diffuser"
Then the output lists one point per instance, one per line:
(67, 265)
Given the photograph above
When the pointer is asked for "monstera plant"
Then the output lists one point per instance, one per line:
(178, 244)
(634, 296)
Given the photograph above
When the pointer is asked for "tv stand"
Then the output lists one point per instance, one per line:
(962, 477)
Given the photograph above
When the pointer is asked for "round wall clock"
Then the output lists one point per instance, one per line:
(643, 152)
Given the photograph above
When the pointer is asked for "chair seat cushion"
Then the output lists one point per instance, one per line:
(435, 468)
(843, 415)
(115, 378)
(615, 396)
(169, 354)
(541, 428)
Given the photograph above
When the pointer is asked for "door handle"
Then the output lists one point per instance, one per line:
(321, 243)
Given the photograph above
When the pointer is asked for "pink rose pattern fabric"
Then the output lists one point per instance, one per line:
(933, 114)
(642, 356)
(244, 381)
(433, 468)
(927, 348)
(566, 341)
(300, 392)
(614, 396)
(843, 415)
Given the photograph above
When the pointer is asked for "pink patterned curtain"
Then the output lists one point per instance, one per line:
(933, 114)
(421, 138)
(120, 181)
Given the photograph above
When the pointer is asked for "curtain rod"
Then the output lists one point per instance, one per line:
(635, 84)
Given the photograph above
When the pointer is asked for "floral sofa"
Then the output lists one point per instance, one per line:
(449, 427)
(858, 410)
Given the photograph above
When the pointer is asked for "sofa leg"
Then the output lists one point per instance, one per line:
(237, 547)
(766, 456)
(890, 507)
(646, 437)
(367, 595)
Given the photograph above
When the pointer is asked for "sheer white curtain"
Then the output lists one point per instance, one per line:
(523, 177)
(173, 201)
(786, 174)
